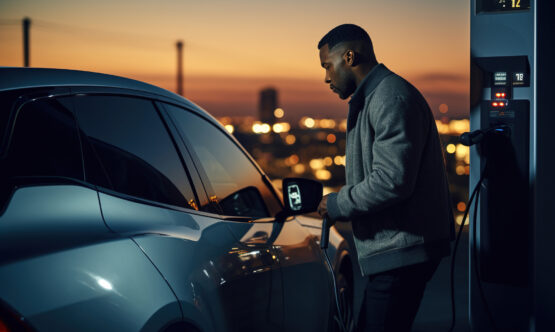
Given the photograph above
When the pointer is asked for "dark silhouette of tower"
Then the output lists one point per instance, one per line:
(180, 87)
(268, 103)
(26, 26)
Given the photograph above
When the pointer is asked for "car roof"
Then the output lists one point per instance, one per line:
(23, 77)
(13, 78)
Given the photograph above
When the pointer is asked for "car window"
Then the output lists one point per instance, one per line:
(45, 141)
(128, 149)
(7, 103)
(237, 184)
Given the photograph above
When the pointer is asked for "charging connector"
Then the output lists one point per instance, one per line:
(324, 241)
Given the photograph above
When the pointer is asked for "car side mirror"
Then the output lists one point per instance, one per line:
(301, 195)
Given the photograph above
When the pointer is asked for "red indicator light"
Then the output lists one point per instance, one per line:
(498, 95)
(494, 104)
(501, 104)
(503, 94)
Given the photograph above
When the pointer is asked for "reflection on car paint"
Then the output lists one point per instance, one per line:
(105, 284)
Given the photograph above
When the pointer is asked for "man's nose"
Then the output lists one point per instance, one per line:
(327, 79)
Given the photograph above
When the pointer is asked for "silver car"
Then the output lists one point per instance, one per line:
(125, 207)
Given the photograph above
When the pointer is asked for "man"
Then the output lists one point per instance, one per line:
(396, 193)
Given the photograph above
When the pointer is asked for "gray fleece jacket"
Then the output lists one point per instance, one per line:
(396, 193)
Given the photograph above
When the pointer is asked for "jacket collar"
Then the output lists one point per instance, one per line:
(368, 84)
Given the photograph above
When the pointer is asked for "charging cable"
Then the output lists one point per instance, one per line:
(324, 240)
(476, 264)
(469, 139)
(459, 233)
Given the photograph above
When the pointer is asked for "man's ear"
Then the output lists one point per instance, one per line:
(351, 58)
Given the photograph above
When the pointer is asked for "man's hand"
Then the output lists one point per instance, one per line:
(323, 207)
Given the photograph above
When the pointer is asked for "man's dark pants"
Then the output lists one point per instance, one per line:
(392, 297)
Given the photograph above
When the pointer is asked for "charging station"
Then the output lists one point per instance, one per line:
(512, 242)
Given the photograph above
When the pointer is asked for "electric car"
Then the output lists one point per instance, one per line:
(125, 207)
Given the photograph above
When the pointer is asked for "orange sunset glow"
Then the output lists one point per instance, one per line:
(235, 48)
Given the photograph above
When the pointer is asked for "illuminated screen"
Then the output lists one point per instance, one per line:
(519, 78)
(500, 78)
(502, 5)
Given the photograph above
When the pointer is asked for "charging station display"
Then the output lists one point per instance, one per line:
(502, 5)
(519, 78)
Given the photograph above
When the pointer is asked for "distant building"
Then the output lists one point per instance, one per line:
(268, 104)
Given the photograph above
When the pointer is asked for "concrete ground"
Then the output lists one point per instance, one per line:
(435, 310)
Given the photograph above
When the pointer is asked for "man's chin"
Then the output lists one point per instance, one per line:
(342, 96)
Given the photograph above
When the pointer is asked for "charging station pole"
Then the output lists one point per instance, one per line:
(512, 270)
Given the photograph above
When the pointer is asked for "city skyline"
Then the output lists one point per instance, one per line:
(233, 50)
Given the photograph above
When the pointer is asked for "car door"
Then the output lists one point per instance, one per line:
(60, 267)
(306, 280)
(237, 189)
(244, 194)
(146, 193)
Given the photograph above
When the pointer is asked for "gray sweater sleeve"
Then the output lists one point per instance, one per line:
(400, 128)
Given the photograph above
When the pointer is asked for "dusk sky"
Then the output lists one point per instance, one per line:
(234, 48)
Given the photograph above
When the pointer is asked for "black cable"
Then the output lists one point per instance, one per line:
(476, 265)
(324, 240)
(341, 324)
(453, 257)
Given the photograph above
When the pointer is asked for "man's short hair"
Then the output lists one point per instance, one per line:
(343, 33)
